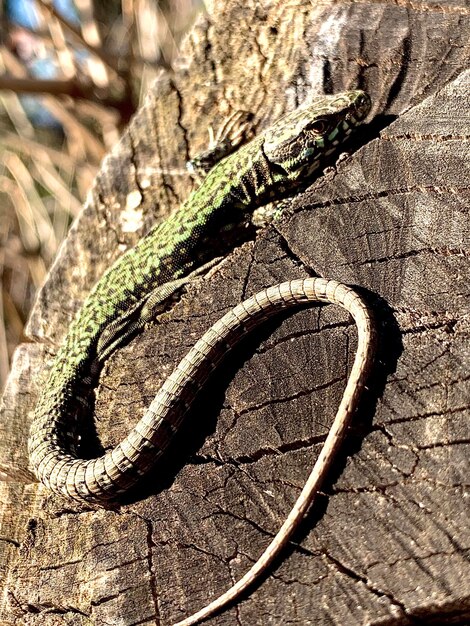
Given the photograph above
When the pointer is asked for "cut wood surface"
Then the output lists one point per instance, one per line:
(387, 543)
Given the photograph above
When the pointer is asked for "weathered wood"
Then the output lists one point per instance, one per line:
(387, 543)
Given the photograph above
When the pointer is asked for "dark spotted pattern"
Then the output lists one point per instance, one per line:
(274, 160)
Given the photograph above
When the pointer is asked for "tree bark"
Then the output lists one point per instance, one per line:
(387, 542)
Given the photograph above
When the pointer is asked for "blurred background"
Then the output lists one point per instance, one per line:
(72, 72)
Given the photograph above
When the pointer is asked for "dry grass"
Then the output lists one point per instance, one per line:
(102, 68)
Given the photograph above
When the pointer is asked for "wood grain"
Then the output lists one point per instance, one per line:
(387, 544)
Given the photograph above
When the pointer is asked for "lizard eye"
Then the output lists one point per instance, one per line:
(318, 126)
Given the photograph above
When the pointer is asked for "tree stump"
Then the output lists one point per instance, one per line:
(386, 542)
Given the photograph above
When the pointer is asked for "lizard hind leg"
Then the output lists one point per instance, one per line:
(123, 328)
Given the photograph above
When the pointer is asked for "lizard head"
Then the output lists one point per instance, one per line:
(295, 144)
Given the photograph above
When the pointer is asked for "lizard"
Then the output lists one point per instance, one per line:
(124, 300)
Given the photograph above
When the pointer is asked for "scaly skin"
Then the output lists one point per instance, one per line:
(273, 163)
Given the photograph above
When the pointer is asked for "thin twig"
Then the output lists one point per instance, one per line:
(110, 61)
(83, 139)
(36, 150)
(54, 87)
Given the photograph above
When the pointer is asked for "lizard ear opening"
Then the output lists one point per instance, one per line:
(284, 157)
(277, 167)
